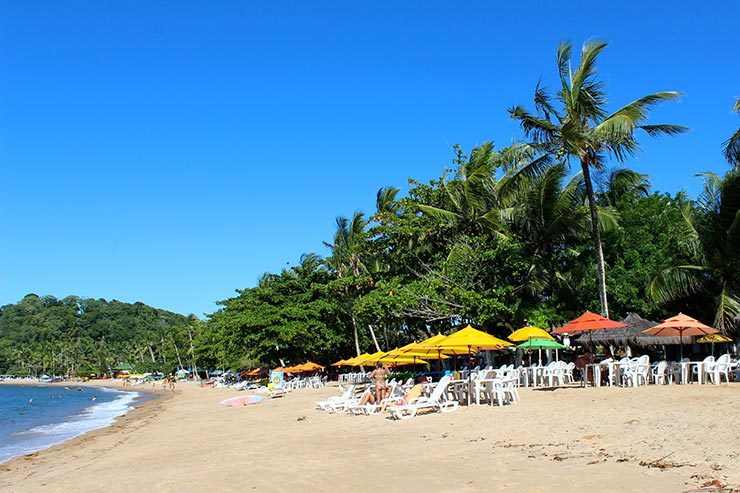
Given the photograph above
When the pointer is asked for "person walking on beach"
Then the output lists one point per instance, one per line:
(379, 374)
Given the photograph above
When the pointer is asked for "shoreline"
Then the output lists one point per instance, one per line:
(145, 399)
(657, 438)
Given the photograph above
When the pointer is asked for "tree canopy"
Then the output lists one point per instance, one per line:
(505, 237)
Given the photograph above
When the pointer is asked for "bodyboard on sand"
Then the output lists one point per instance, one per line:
(241, 400)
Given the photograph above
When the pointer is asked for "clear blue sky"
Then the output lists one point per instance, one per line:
(171, 152)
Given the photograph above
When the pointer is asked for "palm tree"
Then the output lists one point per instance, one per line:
(732, 145)
(715, 235)
(546, 218)
(472, 199)
(574, 125)
(346, 250)
(620, 182)
(348, 260)
(386, 203)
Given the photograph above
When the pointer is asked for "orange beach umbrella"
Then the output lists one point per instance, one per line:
(589, 321)
(680, 325)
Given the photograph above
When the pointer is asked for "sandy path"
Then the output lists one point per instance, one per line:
(569, 439)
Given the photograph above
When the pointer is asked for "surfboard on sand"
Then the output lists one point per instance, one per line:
(241, 400)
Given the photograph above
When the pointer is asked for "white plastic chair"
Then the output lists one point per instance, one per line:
(660, 373)
(702, 375)
(720, 367)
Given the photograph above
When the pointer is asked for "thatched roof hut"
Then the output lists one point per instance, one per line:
(629, 336)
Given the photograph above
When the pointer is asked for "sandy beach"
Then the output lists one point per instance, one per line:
(656, 438)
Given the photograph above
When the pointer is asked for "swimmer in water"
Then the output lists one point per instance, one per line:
(94, 398)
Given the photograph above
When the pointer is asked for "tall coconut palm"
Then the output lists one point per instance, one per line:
(548, 216)
(715, 234)
(575, 126)
(732, 145)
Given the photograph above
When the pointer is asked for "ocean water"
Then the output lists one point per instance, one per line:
(36, 417)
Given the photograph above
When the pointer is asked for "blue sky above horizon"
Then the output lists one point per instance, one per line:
(172, 152)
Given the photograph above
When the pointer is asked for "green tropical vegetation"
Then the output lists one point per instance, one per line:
(76, 335)
(506, 236)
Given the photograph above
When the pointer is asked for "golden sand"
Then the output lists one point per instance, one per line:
(656, 438)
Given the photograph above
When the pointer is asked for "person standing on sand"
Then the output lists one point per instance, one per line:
(379, 374)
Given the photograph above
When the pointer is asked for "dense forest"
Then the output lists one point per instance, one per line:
(82, 336)
(535, 232)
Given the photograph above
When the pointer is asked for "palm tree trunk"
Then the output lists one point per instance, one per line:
(375, 340)
(596, 233)
(177, 351)
(354, 330)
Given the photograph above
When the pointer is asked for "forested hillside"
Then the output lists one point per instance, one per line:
(78, 335)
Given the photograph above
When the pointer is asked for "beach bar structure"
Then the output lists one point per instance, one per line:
(632, 335)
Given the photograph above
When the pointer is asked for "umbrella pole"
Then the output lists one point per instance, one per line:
(470, 376)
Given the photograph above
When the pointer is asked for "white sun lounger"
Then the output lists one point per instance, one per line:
(345, 395)
(436, 402)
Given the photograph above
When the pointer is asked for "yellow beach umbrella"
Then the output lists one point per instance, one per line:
(472, 338)
(413, 349)
(431, 346)
(529, 332)
(339, 363)
(712, 339)
(373, 358)
(357, 360)
(403, 361)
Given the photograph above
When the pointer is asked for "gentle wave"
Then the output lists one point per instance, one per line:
(92, 418)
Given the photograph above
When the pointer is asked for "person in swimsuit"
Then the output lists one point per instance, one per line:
(379, 374)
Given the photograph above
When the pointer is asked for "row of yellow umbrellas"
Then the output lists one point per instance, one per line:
(465, 341)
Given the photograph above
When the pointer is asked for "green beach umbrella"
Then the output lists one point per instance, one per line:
(540, 344)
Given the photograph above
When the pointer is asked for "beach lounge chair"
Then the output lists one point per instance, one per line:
(345, 405)
(346, 394)
(395, 397)
(278, 392)
(436, 402)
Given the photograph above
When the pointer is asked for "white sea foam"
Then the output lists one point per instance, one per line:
(92, 418)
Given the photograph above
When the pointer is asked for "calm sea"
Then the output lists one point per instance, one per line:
(34, 418)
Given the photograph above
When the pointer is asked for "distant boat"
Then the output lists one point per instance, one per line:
(45, 379)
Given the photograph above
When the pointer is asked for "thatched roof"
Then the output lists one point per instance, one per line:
(630, 336)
